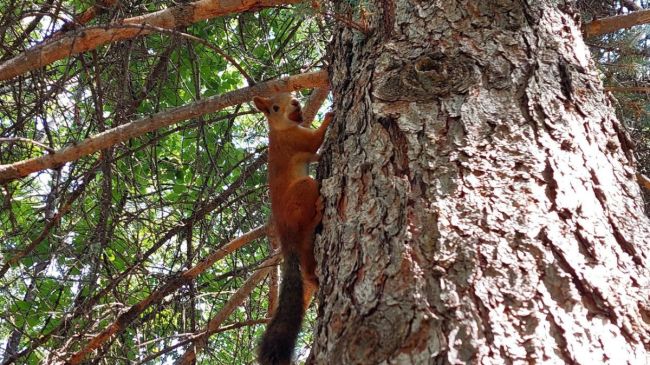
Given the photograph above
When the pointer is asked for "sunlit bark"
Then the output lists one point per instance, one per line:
(482, 205)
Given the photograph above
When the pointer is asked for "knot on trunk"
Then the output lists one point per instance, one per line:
(425, 78)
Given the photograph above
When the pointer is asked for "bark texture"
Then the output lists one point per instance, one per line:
(482, 205)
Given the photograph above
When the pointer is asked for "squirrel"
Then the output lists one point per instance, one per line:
(297, 207)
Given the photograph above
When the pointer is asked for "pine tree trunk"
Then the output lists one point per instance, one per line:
(481, 197)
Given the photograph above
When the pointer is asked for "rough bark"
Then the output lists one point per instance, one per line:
(481, 197)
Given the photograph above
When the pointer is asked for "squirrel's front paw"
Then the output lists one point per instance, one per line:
(328, 117)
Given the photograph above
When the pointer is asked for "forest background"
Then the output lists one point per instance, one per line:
(154, 250)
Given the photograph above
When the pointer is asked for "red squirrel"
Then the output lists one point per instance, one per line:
(296, 205)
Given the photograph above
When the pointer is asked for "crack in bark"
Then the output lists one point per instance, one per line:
(593, 299)
(585, 247)
(558, 334)
(399, 157)
(484, 314)
(626, 246)
(551, 184)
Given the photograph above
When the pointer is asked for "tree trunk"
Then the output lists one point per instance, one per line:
(481, 197)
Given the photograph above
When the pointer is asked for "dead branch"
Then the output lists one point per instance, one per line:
(614, 23)
(631, 5)
(189, 357)
(139, 127)
(125, 319)
(89, 38)
(196, 39)
(273, 238)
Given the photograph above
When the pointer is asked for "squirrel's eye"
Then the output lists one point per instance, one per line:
(276, 108)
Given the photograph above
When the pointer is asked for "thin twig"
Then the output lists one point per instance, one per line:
(27, 140)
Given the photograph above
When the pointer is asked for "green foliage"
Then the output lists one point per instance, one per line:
(142, 211)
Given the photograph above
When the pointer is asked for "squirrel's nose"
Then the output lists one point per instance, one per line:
(295, 102)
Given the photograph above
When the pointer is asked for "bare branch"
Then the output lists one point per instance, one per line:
(141, 126)
(274, 241)
(51, 223)
(189, 357)
(21, 139)
(631, 5)
(614, 23)
(229, 327)
(124, 319)
(89, 38)
(314, 103)
(220, 51)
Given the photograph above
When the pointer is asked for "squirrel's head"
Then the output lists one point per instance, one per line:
(281, 110)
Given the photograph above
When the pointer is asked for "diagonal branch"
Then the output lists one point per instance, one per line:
(229, 327)
(100, 7)
(125, 319)
(89, 38)
(141, 126)
(189, 357)
(643, 181)
(48, 226)
(614, 23)
(314, 103)
(217, 202)
(26, 140)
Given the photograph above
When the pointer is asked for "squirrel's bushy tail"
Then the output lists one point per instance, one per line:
(281, 333)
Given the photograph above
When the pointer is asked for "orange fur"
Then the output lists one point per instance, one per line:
(296, 205)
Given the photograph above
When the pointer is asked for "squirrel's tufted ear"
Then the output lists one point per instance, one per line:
(262, 104)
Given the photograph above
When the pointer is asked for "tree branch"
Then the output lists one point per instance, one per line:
(314, 103)
(631, 5)
(51, 223)
(196, 39)
(124, 319)
(27, 140)
(629, 89)
(229, 327)
(209, 207)
(89, 38)
(274, 241)
(235, 300)
(85, 17)
(141, 126)
(614, 23)
(644, 181)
